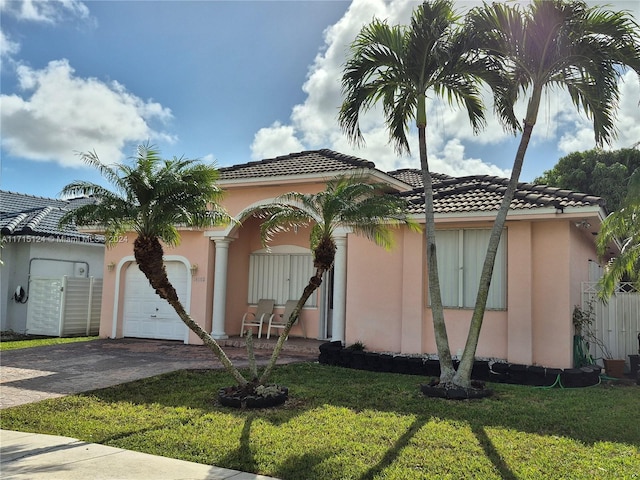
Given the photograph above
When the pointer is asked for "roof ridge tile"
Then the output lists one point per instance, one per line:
(36, 219)
(10, 227)
(345, 157)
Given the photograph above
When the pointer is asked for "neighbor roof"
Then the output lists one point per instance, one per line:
(480, 193)
(28, 215)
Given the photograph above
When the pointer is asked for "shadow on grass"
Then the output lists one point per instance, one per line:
(391, 454)
(242, 457)
(588, 415)
(302, 466)
(492, 453)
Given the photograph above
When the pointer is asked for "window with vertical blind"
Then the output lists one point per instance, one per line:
(460, 257)
(280, 275)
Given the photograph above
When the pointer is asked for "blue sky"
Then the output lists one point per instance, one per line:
(229, 82)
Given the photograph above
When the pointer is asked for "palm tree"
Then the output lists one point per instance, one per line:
(348, 201)
(151, 198)
(401, 66)
(515, 51)
(624, 225)
(548, 44)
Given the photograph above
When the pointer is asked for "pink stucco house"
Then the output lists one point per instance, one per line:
(375, 296)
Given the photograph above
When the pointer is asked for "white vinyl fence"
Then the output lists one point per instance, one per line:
(64, 306)
(617, 322)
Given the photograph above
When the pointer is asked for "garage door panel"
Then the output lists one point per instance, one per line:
(146, 315)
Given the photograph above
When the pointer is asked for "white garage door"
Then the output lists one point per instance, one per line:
(146, 315)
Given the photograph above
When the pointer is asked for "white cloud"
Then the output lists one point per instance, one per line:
(628, 119)
(314, 123)
(453, 161)
(38, 11)
(44, 11)
(273, 141)
(7, 46)
(578, 129)
(579, 139)
(65, 114)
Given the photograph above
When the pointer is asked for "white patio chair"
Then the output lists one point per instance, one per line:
(280, 320)
(264, 312)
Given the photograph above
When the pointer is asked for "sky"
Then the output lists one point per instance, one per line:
(229, 82)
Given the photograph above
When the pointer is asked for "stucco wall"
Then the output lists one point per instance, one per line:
(519, 331)
(544, 261)
(551, 302)
(197, 249)
(386, 303)
(374, 299)
(114, 267)
(582, 250)
(238, 198)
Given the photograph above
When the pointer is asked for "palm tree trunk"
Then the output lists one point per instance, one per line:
(439, 327)
(463, 375)
(312, 286)
(148, 253)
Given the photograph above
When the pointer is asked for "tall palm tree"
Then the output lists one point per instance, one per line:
(152, 198)
(348, 201)
(622, 225)
(401, 66)
(548, 44)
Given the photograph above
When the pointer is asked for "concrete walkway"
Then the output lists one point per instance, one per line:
(31, 456)
(33, 374)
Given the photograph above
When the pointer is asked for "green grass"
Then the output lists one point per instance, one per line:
(25, 342)
(349, 424)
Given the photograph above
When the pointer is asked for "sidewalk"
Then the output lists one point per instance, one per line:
(32, 456)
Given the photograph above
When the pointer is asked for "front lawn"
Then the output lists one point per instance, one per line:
(12, 341)
(349, 424)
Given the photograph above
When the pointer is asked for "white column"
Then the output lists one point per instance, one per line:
(220, 288)
(339, 289)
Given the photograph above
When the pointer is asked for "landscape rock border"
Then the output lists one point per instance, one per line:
(333, 353)
(234, 397)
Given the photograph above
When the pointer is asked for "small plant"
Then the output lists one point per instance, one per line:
(357, 346)
(583, 322)
(268, 390)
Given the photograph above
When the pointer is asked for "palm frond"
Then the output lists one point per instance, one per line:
(555, 42)
(280, 217)
(153, 196)
(399, 65)
(347, 201)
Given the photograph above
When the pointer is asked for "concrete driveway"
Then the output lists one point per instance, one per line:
(32, 374)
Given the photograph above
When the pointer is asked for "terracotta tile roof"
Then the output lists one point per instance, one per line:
(308, 162)
(480, 193)
(476, 193)
(28, 215)
(413, 177)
